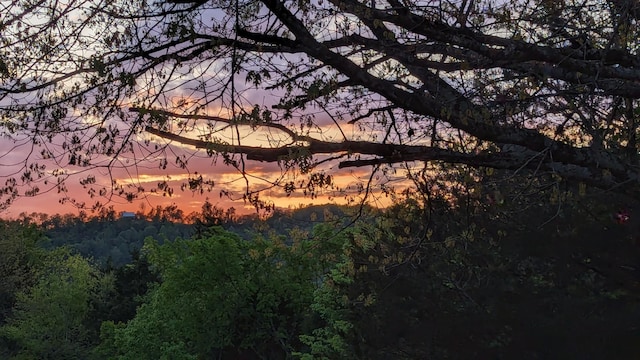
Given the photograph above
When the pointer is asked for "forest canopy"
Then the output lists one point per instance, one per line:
(547, 88)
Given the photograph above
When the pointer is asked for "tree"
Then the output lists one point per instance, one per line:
(429, 280)
(19, 256)
(49, 317)
(224, 297)
(545, 87)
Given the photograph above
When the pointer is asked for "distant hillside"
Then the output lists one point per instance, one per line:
(112, 239)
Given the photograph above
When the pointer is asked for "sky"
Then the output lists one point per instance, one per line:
(13, 151)
(148, 174)
(226, 179)
(128, 170)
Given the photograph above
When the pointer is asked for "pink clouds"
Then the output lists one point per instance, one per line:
(151, 161)
(149, 173)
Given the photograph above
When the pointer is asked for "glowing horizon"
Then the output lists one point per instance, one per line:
(188, 201)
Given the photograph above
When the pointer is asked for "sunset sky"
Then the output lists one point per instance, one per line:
(142, 168)
(189, 201)
(148, 174)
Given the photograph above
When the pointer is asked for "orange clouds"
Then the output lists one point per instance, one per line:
(152, 161)
(227, 192)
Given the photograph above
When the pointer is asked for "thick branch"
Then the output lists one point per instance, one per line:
(604, 64)
(391, 152)
(444, 102)
(395, 153)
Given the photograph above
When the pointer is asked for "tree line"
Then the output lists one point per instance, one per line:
(444, 278)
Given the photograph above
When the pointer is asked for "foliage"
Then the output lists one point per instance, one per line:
(49, 318)
(19, 254)
(222, 297)
(434, 280)
(131, 282)
(109, 238)
(331, 339)
(112, 241)
(441, 274)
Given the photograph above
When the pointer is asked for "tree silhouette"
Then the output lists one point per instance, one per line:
(544, 87)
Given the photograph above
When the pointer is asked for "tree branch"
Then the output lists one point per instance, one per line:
(394, 153)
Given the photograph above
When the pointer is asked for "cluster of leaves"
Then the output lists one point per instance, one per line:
(221, 297)
(460, 277)
(216, 294)
(50, 300)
